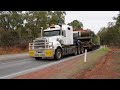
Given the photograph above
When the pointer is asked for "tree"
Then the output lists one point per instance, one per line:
(9, 38)
(117, 20)
(56, 17)
(76, 24)
(11, 20)
(26, 25)
(34, 21)
(111, 34)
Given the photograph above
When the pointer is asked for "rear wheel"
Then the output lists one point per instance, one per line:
(90, 49)
(82, 50)
(38, 58)
(58, 54)
(75, 52)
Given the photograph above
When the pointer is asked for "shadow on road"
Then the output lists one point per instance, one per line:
(66, 56)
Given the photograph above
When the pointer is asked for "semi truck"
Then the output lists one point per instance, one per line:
(55, 42)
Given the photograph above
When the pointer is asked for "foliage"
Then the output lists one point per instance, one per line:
(18, 28)
(111, 34)
(76, 24)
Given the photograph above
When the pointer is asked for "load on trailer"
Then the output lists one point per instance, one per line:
(56, 41)
(86, 38)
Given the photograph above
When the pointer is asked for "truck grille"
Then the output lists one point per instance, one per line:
(39, 44)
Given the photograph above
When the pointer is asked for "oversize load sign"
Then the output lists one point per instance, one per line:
(31, 53)
(48, 53)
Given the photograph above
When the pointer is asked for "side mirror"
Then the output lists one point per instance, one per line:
(64, 33)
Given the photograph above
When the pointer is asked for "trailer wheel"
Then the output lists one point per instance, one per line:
(38, 58)
(90, 49)
(82, 50)
(58, 54)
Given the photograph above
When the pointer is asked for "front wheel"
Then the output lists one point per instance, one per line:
(58, 54)
(75, 52)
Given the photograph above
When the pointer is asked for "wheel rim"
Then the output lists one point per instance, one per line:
(82, 50)
(75, 51)
(59, 54)
(79, 51)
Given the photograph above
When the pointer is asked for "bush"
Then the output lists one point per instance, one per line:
(23, 45)
(9, 38)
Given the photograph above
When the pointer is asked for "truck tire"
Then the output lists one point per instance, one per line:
(38, 58)
(81, 50)
(78, 51)
(58, 54)
(75, 52)
(90, 49)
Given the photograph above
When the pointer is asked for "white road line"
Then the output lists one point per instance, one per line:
(36, 68)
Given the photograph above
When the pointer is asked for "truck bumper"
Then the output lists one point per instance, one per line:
(46, 53)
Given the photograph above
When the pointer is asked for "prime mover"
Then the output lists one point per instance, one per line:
(55, 42)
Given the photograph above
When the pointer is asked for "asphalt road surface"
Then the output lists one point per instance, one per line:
(22, 66)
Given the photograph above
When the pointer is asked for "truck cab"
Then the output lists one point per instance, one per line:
(51, 44)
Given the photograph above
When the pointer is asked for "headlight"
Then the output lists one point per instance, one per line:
(31, 46)
(50, 46)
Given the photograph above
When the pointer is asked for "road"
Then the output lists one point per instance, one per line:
(13, 57)
(25, 65)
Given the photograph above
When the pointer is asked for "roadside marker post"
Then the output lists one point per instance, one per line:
(85, 56)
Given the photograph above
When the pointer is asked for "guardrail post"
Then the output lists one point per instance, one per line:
(85, 56)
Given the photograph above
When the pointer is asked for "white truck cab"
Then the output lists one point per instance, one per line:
(52, 42)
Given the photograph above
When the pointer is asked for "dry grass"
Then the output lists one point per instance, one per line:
(92, 59)
(11, 50)
(78, 65)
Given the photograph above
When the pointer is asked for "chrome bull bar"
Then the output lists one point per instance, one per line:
(37, 49)
(40, 45)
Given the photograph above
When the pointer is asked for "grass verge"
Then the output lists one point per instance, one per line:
(92, 59)
(78, 66)
(12, 50)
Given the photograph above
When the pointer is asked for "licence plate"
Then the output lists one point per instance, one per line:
(31, 53)
(48, 53)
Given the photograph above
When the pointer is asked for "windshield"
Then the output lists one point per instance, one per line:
(51, 33)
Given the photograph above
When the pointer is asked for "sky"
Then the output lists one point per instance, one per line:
(93, 20)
